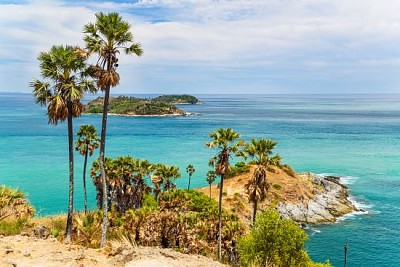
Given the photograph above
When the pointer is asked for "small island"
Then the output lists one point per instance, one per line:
(133, 106)
(178, 99)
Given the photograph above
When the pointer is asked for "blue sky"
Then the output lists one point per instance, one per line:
(235, 46)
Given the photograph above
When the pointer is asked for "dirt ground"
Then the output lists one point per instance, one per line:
(24, 251)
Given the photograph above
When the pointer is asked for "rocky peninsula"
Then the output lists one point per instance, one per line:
(306, 198)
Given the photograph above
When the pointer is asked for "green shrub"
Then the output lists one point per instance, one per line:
(150, 202)
(274, 242)
(57, 227)
(277, 186)
(271, 169)
(13, 227)
(238, 169)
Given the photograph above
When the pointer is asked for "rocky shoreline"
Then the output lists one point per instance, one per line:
(330, 201)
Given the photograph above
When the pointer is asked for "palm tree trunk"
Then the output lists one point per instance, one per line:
(84, 180)
(221, 186)
(102, 170)
(210, 191)
(189, 182)
(254, 211)
(71, 173)
(102, 152)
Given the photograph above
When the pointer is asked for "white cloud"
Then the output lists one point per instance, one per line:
(210, 40)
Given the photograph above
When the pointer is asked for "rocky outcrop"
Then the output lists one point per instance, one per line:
(330, 201)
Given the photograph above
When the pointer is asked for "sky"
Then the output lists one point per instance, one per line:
(220, 46)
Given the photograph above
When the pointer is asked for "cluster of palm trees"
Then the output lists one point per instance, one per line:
(126, 181)
(67, 77)
(259, 150)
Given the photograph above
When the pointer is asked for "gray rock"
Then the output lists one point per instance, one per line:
(330, 201)
(41, 231)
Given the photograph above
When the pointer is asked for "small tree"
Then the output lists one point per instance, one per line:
(211, 178)
(274, 242)
(190, 170)
(87, 142)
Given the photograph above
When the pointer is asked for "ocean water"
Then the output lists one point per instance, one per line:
(357, 137)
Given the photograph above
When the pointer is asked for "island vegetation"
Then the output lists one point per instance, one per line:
(133, 106)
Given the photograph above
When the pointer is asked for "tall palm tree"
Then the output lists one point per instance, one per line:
(167, 175)
(225, 141)
(211, 178)
(64, 69)
(190, 170)
(86, 143)
(107, 37)
(260, 151)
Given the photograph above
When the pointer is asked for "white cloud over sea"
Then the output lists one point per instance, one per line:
(242, 46)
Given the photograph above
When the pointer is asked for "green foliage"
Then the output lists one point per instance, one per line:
(133, 106)
(271, 169)
(57, 227)
(274, 242)
(177, 99)
(238, 169)
(149, 202)
(12, 227)
(87, 227)
(277, 186)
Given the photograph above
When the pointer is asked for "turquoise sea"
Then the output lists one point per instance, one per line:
(355, 136)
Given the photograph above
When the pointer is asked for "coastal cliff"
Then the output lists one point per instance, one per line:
(330, 201)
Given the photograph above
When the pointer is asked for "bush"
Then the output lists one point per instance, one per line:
(13, 204)
(274, 242)
(57, 226)
(88, 228)
(277, 186)
(12, 227)
(238, 169)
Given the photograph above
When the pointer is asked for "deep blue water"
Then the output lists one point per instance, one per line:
(353, 136)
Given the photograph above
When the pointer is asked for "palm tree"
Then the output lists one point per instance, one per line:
(190, 170)
(225, 141)
(167, 175)
(64, 69)
(260, 151)
(141, 168)
(107, 37)
(86, 144)
(211, 178)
